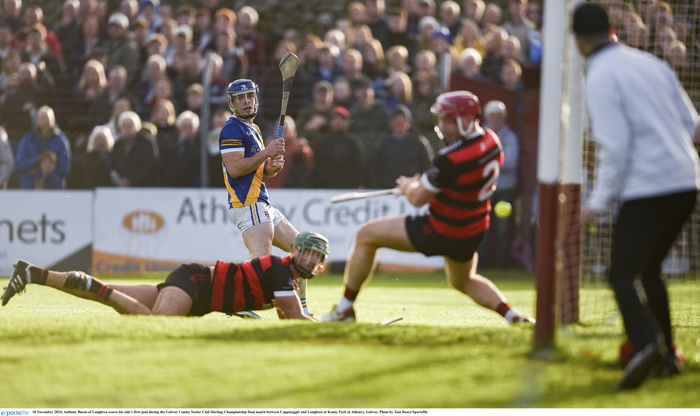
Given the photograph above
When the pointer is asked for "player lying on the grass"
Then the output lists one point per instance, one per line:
(195, 289)
(458, 187)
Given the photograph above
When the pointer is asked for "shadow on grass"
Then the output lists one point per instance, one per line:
(66, 331)
(350, 387)
(408, 335)
(517, 279)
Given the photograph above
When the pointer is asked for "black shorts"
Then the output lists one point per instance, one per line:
(427, 241)
(195, 280)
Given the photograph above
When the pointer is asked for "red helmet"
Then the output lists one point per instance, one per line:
(455, 105)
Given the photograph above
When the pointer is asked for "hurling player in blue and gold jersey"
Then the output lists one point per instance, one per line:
(246, 162)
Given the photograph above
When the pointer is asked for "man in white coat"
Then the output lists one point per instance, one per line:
(643, 123)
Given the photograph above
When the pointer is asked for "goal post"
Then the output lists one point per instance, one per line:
(556, 184)
(570, 187)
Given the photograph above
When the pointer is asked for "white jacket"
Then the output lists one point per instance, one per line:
(644, 124)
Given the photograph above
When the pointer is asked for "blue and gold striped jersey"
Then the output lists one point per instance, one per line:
(238, 136)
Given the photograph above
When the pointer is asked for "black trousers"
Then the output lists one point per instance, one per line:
(644, 232)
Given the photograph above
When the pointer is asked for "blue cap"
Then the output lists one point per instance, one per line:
(442, 32)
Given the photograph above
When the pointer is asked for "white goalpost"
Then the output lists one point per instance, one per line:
(558, 181)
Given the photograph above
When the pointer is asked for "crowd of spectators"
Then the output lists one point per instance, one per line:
(148, 58)
(115, 97)
(124, 87)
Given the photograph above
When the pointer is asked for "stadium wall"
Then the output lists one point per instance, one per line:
(132, 231)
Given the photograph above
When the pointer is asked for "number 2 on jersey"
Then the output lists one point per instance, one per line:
(492, 169)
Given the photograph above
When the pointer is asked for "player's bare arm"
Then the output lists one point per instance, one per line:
(237, 165)
(289, 307)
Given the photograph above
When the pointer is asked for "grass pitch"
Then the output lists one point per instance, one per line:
(59, 351)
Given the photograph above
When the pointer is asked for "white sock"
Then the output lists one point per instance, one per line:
(303, 306)
(88, 282)
(344, 304)
(511, 315)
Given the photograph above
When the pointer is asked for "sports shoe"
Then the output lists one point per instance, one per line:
(18, 281)
(640, 366)
(247, 315)
(673, 364)
(626, 353)
(346, 316)
(517, 319)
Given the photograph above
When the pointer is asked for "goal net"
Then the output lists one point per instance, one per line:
(580, 255)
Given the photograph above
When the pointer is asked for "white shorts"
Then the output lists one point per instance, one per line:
(254, 214)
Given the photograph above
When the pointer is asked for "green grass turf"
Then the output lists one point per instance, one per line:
(60, 351)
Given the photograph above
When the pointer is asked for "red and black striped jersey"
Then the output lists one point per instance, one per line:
(250, 285)
(463, 178)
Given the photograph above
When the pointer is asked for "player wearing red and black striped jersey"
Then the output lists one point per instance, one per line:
(234, 287)
(458, 188)
(196, 289)
(462, 179)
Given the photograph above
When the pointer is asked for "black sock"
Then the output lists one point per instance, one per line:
(101, 290)
(38, 275)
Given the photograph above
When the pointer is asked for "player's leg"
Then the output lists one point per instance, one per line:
(381, 233)
(462, 276)
(674, 210)
(172, 301)
(258, 239)
(256, 224)
(284, 235)
(75, 283)
(633, 236)
(257, 229)
(26, 273)
(635, 233)
(145, 294)
(186, 291)
(125, 299)
(283, 239)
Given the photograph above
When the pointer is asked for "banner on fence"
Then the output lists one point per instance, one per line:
(140, 230)
(52, 229)
(132, 231)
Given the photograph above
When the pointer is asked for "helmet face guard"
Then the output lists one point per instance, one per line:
(456, 105)
(312, 252)
(239, 89)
